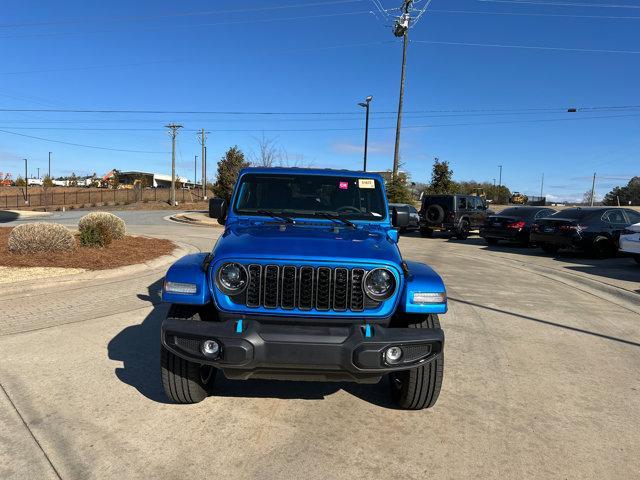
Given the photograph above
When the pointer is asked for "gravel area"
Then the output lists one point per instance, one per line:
(19, 274)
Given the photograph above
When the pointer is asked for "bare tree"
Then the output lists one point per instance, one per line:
(269, 152)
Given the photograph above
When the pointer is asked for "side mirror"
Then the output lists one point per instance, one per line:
(400, 216)
(218, 209)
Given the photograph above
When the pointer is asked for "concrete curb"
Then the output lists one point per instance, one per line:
(184, 218)
(126, 272)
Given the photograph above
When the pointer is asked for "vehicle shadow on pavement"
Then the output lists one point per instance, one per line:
(138, 348)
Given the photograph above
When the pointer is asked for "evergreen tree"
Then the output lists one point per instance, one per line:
(441, 179)
(628, 195)
(229, 167)
(398, 191)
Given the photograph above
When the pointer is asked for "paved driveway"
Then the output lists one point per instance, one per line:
(541, 381)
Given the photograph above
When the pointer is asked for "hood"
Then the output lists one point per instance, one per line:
(314, 242)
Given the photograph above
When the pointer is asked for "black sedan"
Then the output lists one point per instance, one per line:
(592, 229)
(513, 224)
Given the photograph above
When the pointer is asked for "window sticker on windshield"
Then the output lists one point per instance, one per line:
(343, 185)
(366, 183)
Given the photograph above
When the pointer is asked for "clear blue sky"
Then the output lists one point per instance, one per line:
(325, 56)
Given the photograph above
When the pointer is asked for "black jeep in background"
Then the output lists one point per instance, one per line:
(457, 214)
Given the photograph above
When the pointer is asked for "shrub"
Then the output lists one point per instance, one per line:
(109, 223)
(41, 237)
(95, 236)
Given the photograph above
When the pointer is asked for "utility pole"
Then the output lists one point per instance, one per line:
(593, 189)
(173, 131)
(542, 184)
(499, 182)
(195, 170)
(365, 105)
(203, 143)
(49, 164)
(38, 172)
(401, 30)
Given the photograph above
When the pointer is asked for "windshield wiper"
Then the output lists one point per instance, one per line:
(284, 218)
(332, 216)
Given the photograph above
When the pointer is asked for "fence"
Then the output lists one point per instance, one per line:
(93, 197)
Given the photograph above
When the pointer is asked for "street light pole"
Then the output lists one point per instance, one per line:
(499, 182)
(365, 105)
(401, 30)
(195, 170)
(49, 164)
(26, 183)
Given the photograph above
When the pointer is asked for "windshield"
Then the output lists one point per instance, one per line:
(307, 195)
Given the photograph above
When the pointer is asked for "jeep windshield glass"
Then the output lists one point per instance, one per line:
(304, 195)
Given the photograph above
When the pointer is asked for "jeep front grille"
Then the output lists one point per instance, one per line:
(305, 288)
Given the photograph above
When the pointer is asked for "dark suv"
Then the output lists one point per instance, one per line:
(458, 214)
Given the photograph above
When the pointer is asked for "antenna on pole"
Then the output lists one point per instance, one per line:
(173, 131)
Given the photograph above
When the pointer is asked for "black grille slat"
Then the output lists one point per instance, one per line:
(340, 289)
(253, 288)
(271, 278)
(323, 290)
(288, 300)
(306, 288)
(305, 298)
(357, 293)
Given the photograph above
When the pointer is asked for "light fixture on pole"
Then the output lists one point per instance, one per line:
(365, 105)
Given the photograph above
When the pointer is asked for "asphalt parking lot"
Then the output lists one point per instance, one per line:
(541, 381)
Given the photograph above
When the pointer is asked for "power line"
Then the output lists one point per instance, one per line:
(178, 14)
(79, 144)
(191, 27)
(527, 47)
(561, 109)
(561, 4)
(527, 14)
(91, 67)
(337, 129)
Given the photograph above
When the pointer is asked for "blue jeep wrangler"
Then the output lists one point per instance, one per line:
(306, 283)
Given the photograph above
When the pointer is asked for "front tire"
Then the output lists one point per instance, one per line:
(463, 230)
(419, 387)
(184, 381)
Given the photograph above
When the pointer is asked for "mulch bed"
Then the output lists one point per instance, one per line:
(128, 251)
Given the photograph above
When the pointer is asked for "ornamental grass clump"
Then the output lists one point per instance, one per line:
(40, 237)
(103, 223)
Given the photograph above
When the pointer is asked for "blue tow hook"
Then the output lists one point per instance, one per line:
(239, 326)
(367, 331)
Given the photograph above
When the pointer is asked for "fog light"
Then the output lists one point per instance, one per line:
(393, 354)
(210, 348)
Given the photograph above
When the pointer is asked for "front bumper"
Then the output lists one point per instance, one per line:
(251, 349)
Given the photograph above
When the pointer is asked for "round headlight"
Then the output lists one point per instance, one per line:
(379, 284)
(232, 278)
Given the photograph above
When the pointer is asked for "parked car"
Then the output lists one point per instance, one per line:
(306, 283)
(593, 229)
(414, 217)
(457, 214)
(630, 241)
(513, 224)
